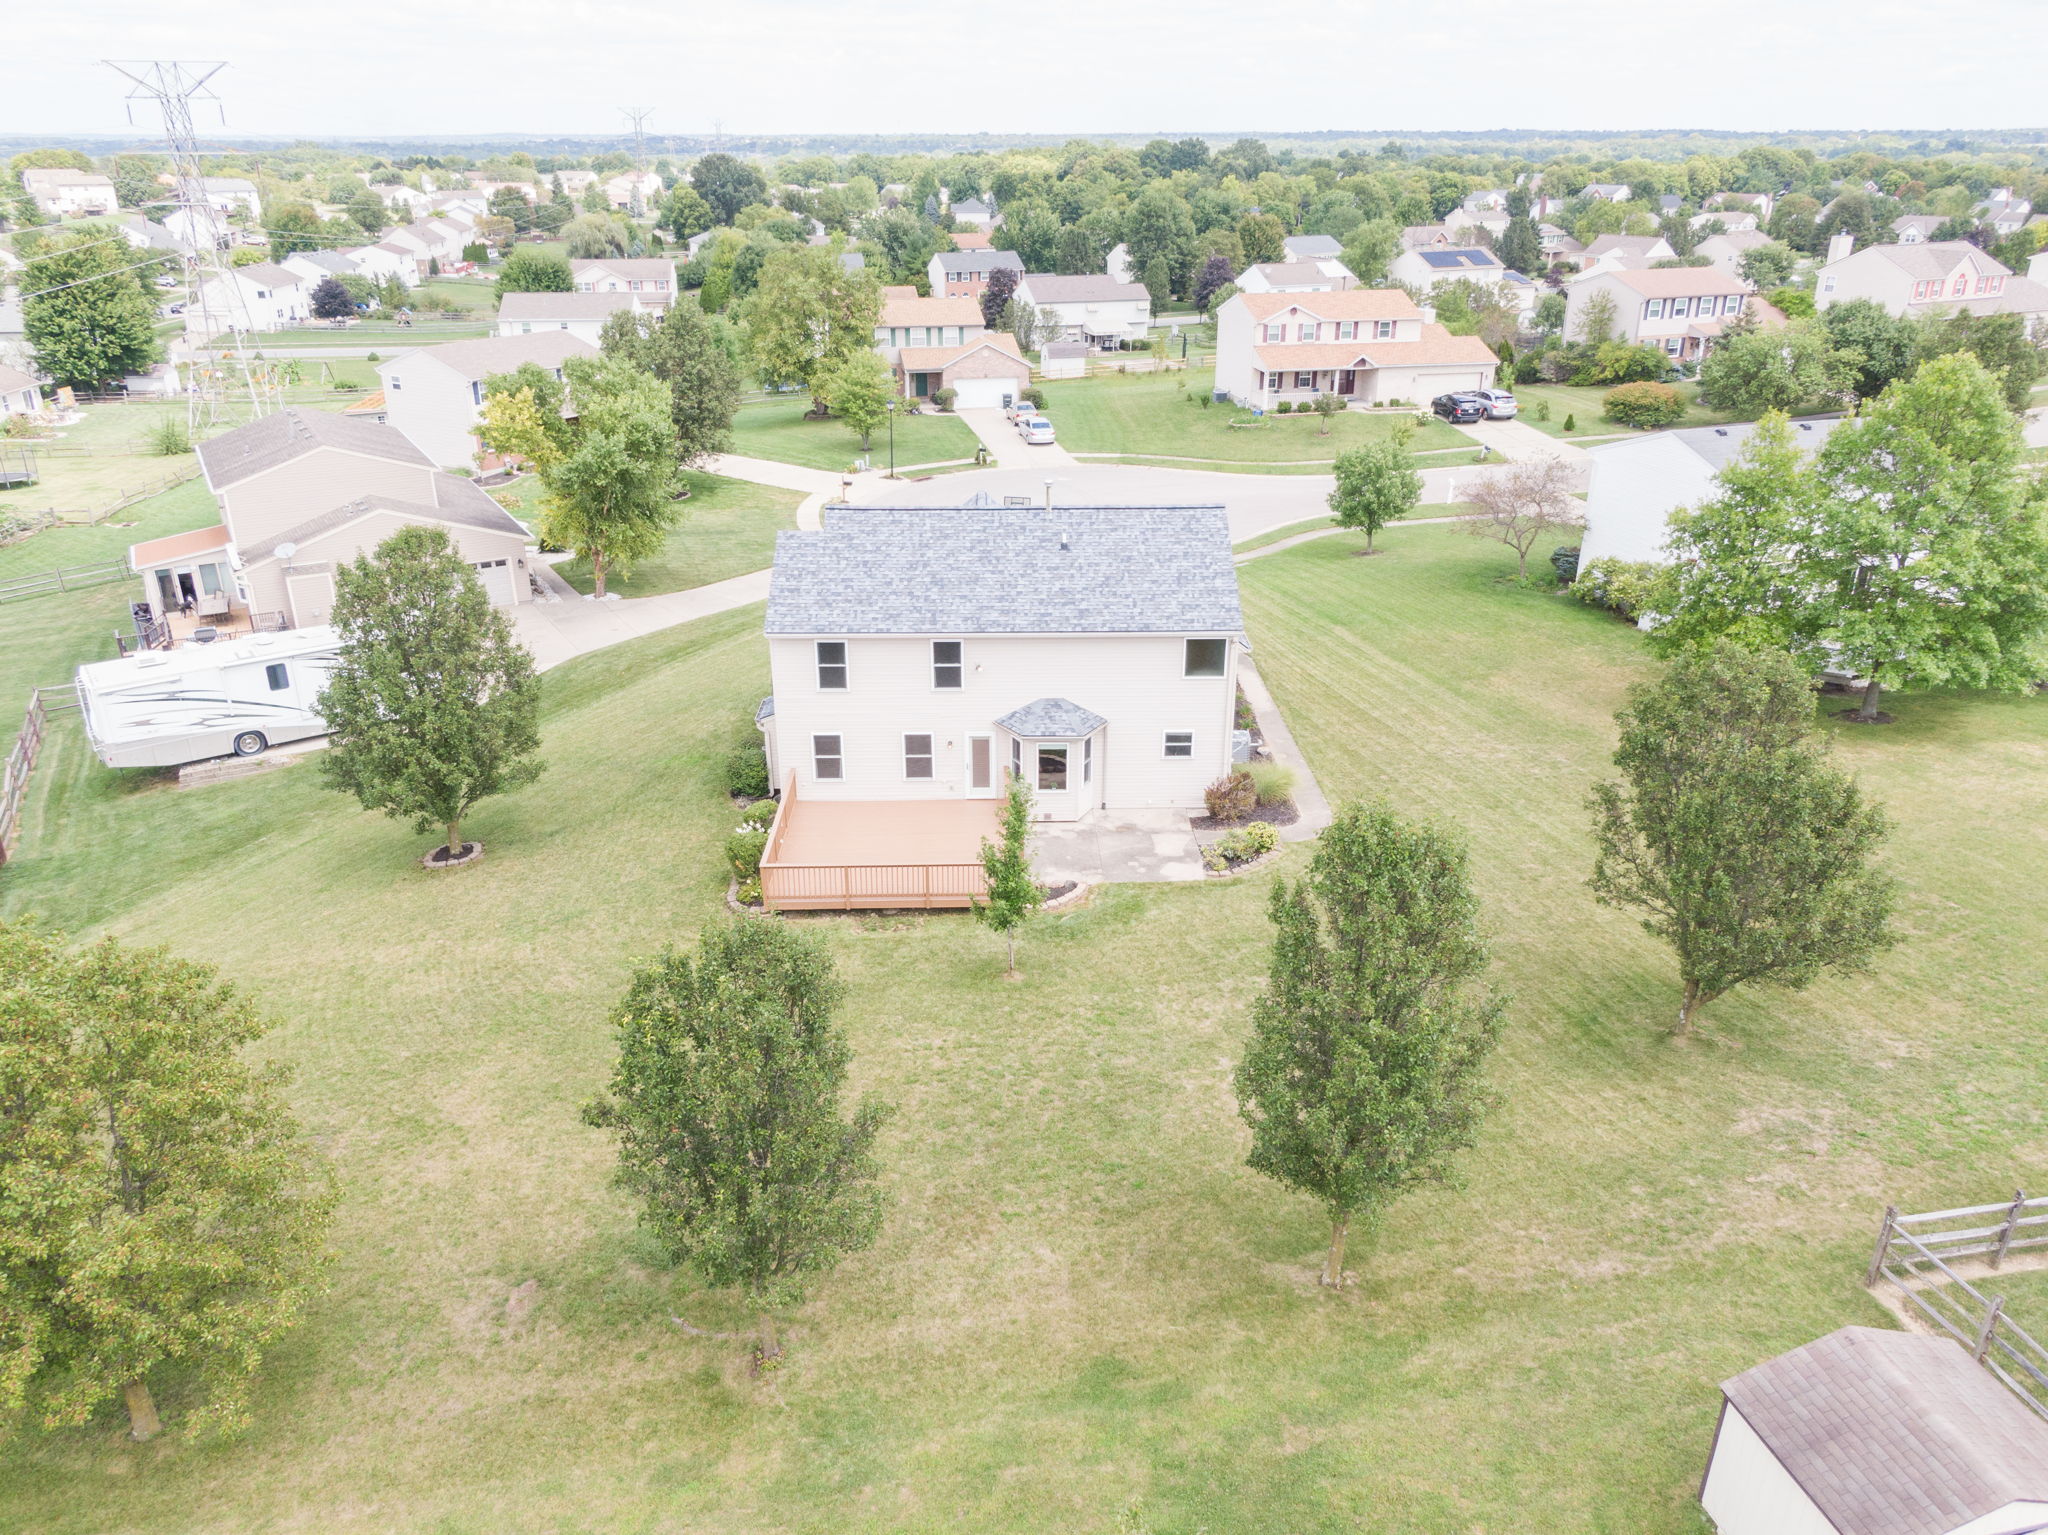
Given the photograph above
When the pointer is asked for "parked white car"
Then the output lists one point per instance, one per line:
(1034, 429)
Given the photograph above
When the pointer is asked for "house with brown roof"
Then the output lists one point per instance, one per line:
(985, 373)
(1872, 1432)
(301, 492)
(1681, 311)
(906, 319)
(1371, 346)
(972, 240)
(1931, 277)
(435, 394)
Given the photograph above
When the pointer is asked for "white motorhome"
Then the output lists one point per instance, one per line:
(164, 707)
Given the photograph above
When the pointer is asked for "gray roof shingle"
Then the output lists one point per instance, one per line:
(1008, 570)
(456, 501)
(1893, 1433)
(278, 439)
(565, 306)
(1087, 288)
(505, 354)
(1309, 247)
(955, 262)
(1056, 717)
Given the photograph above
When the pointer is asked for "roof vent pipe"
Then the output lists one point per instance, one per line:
(1065, 547)
(1048, 495)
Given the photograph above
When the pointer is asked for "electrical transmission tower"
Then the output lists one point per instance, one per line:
(638, 116)
(216, 308)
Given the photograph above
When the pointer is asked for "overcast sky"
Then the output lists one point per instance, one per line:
(1044, 66)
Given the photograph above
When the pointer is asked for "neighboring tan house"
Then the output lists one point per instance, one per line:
(964, 274)
(1731, 220)
(1557, 244)
(316, 266)
(1614, 253)
(383, 261)
(1916, 228)
(1428, 268)
(581, 314)
(1427, 236)
(67, 194)
(435, 395)
(1313, 247)
(985, 373)
(145, 235)
(1726, 251)
(621, 191)
(1324, 274)
(2003, 212)
(1868, 1431)
(1095, 308)
(20, 394)
(652, 277)
(301, 492)
(1679, 310)
(921, 658)
(433, 242)
(1638, 482)
(1606, 191)
(1368, 345)
(907, 320)
(260, 297)
(1756, 205)
(1928, 278)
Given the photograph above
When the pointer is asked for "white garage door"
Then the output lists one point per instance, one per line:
(496, 576)
(979, 393)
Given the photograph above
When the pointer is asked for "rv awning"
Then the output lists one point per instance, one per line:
(179, 546)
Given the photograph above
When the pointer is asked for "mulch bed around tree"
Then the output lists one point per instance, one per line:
(439, 859)
(1857, 717)
(1273, 815)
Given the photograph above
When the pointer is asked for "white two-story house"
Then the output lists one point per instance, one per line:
(260, 297)
(65, 193)
(1681, 310)
(1094, 308)
(1365, 345)
(1928, 277)
(652, 277)
(581, 314)
(921, 658)
(435, 395)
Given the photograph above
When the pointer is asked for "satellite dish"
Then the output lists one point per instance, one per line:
(286, 551)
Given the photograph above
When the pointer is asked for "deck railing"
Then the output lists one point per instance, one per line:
(859, 886)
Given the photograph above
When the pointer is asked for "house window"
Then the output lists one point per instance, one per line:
(1016, 758)
(917, 756)
(1919, 291)
(476, 392)
(1206, 658)
(1180, 743)
(947, 670)
(827, 760)
(1304, 381)
(1276, 333)
(1654, 309)
(1347, 330)
(278, 676)
(1383, 330)
(1052, 768)
(832, 664)
(1308, 332)
(1088, 760)
(394, 384)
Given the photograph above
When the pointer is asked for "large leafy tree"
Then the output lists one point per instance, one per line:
(434, 706)
(1792, 368)
(531, 271)
(1375, 484)
(611, 498)
(86, 320)
(685, 350)
(727, 185)
(1875, 345)
(160, 1207)
(593, 236)
(725, 1100)
(995, 298)
(331, 299)
(1999, 341)
(684, 213)
(1262, 237)
(1732, 834)
(808, 314)
(1369, 247)
(1928, 565)
(1768, 266)
(1363, 1073)
(1160, 224)
(523, 416)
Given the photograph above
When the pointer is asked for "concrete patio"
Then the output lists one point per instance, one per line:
(1117, 847)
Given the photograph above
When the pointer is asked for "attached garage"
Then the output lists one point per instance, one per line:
(976, 393)
(980, 373)
(497, 577)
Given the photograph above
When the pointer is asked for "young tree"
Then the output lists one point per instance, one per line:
(1731, 832)
(687, 352)
(434, 706)
(1032, 326)
(725, 1100)
(530, 271)
(1363, 1073)
(86, 320)
(1928, 563)
(331, 300)
(1375, 484)
(858, 392)
(1596, 319)
(1789, 369)
(163, 1206)
(611, 498)
(1523, 502)
(1158, 283)
(1013, 892)
(1521, 243)
(523, 416)
(1002, 283)
(1325, 405)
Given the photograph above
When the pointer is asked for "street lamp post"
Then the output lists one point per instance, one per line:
(891, 408)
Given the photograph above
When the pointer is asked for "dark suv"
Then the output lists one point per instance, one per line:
(1459, 408)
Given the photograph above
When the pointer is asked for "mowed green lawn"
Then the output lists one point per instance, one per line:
(729, 528)
(780, 430)
(1152, 415)
(1084, 1313)
(1585, 408)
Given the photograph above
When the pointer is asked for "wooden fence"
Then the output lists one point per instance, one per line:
(21, 761)
(1914, 1256)
(67, 578)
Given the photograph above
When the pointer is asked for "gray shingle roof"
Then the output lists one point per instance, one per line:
(1718, 445)
(278, 439)
(564, 306)
(1089, 288)
(989, 570)
(503, 354)
(456, 501)
(955, 262)
(1892, 1433)
(1309, 247)
(1056, 717)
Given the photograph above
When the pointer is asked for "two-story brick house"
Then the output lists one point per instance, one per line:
(965, 274)
(1681, 311)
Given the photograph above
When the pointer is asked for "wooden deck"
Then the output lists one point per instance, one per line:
(840, 855)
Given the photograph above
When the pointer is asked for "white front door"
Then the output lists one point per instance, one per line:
(980, 776)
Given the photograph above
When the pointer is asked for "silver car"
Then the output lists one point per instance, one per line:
(1500, 405)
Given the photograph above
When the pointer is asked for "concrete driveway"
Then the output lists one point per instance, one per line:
(999, 435)
(1519, 440)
